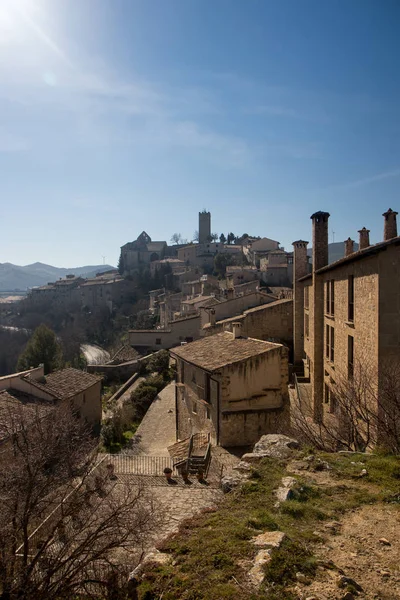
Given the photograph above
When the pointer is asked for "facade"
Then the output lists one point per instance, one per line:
(232, 388)
(271, 322)
(346, 313)
(233, 307)
(140, 253)
(106, 290)
(277, 268)
(62, 292)
(178, 331)
(254, 249)
(80, 390)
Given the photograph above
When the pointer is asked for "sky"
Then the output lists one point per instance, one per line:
(118, 116)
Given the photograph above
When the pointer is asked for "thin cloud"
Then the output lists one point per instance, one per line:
(361, 182)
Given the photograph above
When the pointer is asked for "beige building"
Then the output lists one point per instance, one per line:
(81, 390)
(255, 249)
(346, 313)
(106, 290)
(270, 322)
(277, 268)
(181, 330)
(63, 292)
(232, 388)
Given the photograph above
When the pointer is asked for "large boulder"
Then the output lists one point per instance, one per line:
(274, 445)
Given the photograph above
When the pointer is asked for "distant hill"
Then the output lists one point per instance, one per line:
(336, 251)
(14, 277)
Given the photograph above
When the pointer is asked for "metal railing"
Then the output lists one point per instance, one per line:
(128, 464)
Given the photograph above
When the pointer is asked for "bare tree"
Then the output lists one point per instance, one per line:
(176, 238)
(361, 413)
(68, 528)
(196, 236)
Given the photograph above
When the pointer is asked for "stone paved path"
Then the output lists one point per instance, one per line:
(157, 430)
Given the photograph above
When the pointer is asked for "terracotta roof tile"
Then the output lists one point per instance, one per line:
(216, 351)
(66, 382)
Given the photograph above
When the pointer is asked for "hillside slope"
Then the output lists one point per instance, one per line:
(15, 277)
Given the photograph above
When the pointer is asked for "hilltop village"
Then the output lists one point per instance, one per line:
(240, 368)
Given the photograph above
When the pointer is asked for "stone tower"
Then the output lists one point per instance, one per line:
(204, 227)
(320, 259)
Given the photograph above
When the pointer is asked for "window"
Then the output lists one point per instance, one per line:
(158, 341)
(208, 412)
(306, 325)
(194, 407)
(350, 357)
(84, 398)
(330, 297)
(351, 298)
(326, 393)
(306, 296)
(330, 343)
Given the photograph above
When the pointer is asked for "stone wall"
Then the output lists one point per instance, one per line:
(236, 306)
(269, 322)
(158, 339)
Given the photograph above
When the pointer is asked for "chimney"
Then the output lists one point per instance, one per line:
(348, 247)
(230, 293)
(390, 229)
(300, 259)
(236, 330)
(211, 315)
(320, 239)
(364, 238)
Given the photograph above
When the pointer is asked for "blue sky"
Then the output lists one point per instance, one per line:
(123, 115)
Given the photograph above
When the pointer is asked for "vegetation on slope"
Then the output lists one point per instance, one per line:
(213, 552)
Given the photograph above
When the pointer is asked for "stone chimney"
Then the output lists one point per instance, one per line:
(300, 269)
(390, 229)
(320, 239)
(348, 247)
(320, 259)
(230, 293)
(236, 330)
(364, 238)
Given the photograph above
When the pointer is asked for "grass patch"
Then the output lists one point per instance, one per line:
(212, 551)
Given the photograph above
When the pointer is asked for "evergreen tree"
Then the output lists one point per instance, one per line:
(42, 348)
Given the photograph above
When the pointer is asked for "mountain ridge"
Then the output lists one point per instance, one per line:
(21, 278)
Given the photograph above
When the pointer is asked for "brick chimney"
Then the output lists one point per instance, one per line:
(300, 269)
(390, 229)
(348, 247)
(364, 238)
(236, 330)
(320, 239)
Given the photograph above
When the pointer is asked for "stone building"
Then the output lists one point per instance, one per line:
(232, 388)
(140, 253)
(346, 313)
(255, 249)
(171, 334)
(277, 268)
(33, 390)
(106, 290)
(270, 322)
(62, 292)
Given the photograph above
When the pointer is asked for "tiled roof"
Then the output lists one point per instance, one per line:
(216, 351)
(66, 382)
(13, 404)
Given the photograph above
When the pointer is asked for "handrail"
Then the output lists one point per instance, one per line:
(189, 452)
(207, 458)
